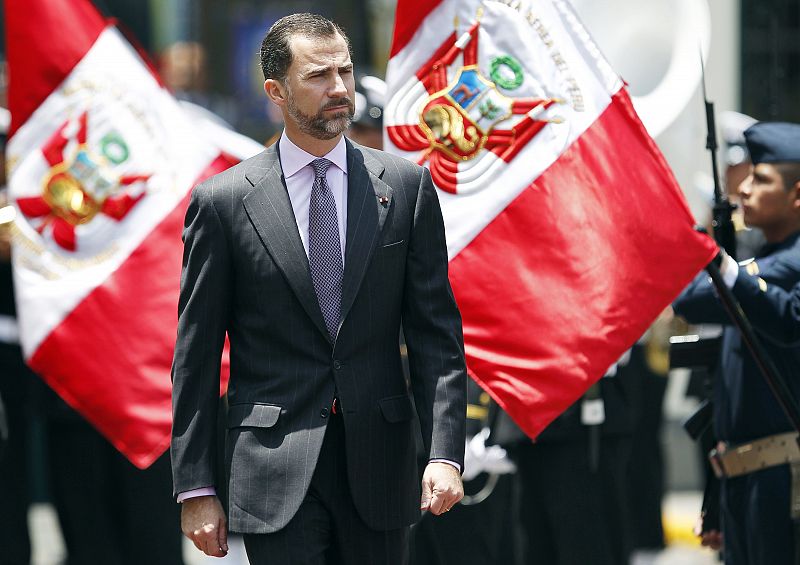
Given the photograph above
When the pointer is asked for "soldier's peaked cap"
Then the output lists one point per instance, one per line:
(773, 142)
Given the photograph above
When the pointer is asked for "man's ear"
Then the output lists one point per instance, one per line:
(795, 190)
(276, 91)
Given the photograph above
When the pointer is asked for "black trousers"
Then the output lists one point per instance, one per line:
(110, 511)
(15, 381)
(756, 519)
(481, 534)
(327, 529)
(645, 474)
(572, 514)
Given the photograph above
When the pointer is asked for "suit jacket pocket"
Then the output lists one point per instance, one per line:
(253, 415)
(396, 408)
(393, 244)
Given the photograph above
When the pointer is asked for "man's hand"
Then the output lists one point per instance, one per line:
(203, 522)
(712, 539)
(441, 488)
(709, 538)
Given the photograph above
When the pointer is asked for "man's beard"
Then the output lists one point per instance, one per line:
(319, 126)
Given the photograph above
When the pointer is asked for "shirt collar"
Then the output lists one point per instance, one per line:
(294, 158)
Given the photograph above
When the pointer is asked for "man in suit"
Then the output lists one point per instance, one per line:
(759, 507)
(309, 256)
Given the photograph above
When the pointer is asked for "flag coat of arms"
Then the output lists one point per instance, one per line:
(566, 230)
(101, 160)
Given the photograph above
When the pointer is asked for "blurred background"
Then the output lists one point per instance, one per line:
(207, 52)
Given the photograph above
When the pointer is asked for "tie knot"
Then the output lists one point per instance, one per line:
(320, 167)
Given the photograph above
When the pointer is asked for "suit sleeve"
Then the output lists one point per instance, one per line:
(202, 323)
(432, 327)
(773, 311)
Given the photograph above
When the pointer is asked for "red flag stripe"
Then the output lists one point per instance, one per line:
(35, 206)
(510, 151)
(86, 375)
(584, 217)
(53, 150)
(408, 16)
(32, 31)
(117, 207)
(408, 138)
(64, 233)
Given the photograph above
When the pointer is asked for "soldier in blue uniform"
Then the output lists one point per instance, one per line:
(777, 311)
(758, 507)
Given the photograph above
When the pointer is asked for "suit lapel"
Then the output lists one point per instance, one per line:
(270, 210)
(368, 203)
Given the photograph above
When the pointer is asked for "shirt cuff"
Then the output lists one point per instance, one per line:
(453, 463)
(205, 491)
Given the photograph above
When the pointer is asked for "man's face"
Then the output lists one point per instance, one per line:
(764, 199)
(320, 86)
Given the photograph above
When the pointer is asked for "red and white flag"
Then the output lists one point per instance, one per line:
(566, 230)
(101, 160)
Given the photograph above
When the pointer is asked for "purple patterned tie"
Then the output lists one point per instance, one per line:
(324, 248)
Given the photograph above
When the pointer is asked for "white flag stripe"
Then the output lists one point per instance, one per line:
(586, 47)
(473, 174)
(486, 185)
(403, 108)
(123, 99)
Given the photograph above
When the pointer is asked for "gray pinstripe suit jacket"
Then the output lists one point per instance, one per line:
(245, 272)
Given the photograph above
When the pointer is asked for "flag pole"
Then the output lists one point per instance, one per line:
(774, 379)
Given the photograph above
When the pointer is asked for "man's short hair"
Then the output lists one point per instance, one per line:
(276, 51)
(790, 173)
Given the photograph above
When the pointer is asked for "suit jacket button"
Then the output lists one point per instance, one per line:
(337, 364)
(323, 413)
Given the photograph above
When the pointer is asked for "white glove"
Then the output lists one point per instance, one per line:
(481, 459)
(729, 269)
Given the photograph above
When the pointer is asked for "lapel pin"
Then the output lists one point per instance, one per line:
(384, 201)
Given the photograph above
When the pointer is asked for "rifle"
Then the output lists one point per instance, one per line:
(725, 235)
(724, 230)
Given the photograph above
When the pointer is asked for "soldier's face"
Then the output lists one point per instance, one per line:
(320, 86)
(765, 201)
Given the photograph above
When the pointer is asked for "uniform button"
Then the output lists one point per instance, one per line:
(323, 413)
(337, 364)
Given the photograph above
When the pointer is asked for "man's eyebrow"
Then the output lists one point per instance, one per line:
(315, 70)
(326, 68)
